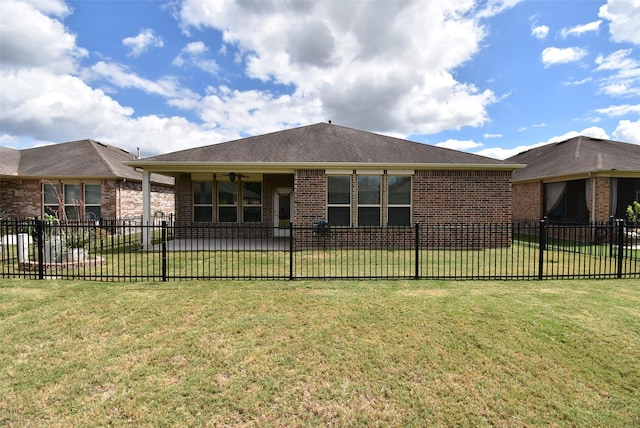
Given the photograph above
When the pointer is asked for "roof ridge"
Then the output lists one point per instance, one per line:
(105, 161)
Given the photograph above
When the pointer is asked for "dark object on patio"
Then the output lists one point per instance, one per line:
(320, 227)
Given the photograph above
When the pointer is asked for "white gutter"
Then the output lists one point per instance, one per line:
(196, 166)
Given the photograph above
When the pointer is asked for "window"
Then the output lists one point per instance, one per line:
(369, 197)
(73, 201)
(52, 200)
(202, 201)
(381, 199)
(339, 200)
(399, 200)
(251, 202)
(92, 201)
(227, 202)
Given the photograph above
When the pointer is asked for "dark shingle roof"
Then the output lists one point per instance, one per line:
(83, 158)
(578, 155)
(324, 143)
(9, 161)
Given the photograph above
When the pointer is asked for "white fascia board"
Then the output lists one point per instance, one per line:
(284, 167)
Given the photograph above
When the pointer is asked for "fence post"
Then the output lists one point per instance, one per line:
(542, 243)
(164, 250)
(40, 234)
(290, 251)
(417, 242)
(620, 246)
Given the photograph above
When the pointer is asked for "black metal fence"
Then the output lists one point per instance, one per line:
(162, 251)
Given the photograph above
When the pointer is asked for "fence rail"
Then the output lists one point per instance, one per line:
(162, 251)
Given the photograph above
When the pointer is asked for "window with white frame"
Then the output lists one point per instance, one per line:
(251, 202)
(52, 200)
(339, 200)
(399, 200)
(72, 201)
(227, 202)
(92, 201)
(202, 201)
(369, 200)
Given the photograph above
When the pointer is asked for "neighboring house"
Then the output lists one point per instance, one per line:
(579, 180)
(328, 172)
(81, 179)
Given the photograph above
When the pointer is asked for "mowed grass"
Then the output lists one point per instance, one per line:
(309, 353)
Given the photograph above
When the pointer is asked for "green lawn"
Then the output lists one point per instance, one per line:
(309, 353)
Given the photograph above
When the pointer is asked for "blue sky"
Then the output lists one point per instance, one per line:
(492, 77)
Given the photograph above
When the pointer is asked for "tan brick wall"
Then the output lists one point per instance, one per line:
(527, 201)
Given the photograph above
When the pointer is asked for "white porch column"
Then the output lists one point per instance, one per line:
(146, 209)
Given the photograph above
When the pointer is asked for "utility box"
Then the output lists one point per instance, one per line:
(320, 228)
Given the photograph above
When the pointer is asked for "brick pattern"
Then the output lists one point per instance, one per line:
(527, 201)
(603, 204)
(462, 197)
(310, 197)
(23, 198)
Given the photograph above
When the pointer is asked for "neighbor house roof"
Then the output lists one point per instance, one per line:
(83, 158)
(320, 145)
(578, 156)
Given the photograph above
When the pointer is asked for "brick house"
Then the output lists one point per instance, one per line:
(328, 172)
(78, 179)
(579, 180)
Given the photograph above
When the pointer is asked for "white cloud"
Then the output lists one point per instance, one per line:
(32, 35)
(624, 20)
(487, 136)
(57, 108)
(142, 42)
(119, 76)
(619, 110)
(580, 29)
(364, 63)
(193, 54)
(624, 81)
(578, 82)
(628, 131)
(540, 32)
(500, 153)
(459, 144)
(552, 55)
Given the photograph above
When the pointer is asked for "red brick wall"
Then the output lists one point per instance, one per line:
(603, 189)
(462, 197)
(438, 196)
(23, 198)
(184, 198)
(310, 197)
(527, 201)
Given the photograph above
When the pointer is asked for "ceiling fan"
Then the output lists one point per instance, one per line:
(233, 175)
